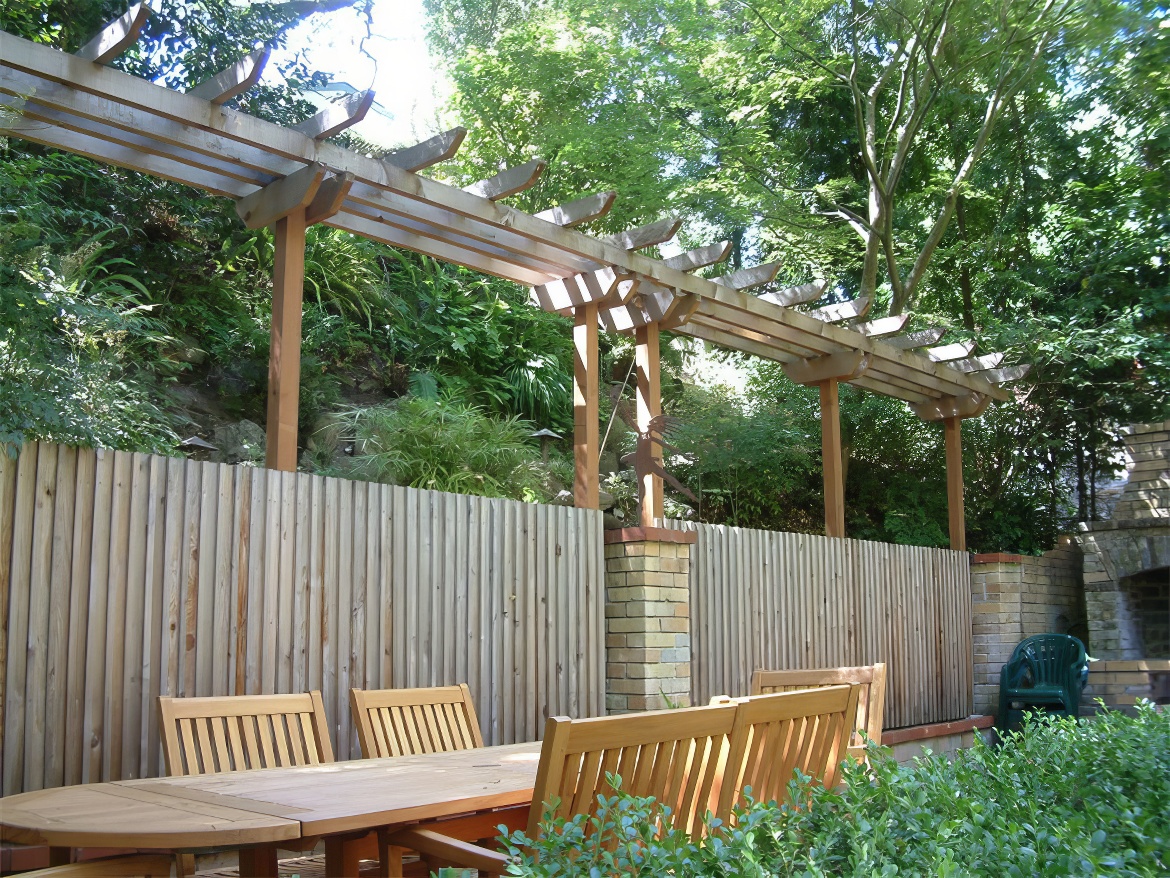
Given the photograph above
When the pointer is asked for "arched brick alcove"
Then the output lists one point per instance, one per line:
(1125, 557)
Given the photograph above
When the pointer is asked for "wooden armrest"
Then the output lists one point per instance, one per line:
(451, 850)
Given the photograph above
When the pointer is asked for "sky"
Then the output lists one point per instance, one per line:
(386, 52)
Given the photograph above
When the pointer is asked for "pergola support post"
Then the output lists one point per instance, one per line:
(586, 430)
(648, 459)
(284, 357)
(826, 372)
(831, 459)
(954, 444)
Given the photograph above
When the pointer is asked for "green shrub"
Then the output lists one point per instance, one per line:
(444, 445)
(1064, 797)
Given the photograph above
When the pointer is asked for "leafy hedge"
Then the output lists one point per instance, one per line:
(1065, 797)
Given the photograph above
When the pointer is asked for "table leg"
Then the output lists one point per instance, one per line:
(60, 856)
(341, 857)
(258, 862)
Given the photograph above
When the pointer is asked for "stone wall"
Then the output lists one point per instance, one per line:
(647, 619)
(1016, 596)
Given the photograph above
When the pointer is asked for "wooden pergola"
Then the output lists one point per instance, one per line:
(291, 177)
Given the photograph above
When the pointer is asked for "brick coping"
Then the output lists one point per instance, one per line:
(649, 535)
(997, 558)
(936, 730)
(1120, 665)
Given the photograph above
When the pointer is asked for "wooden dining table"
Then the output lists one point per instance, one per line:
(258, 811)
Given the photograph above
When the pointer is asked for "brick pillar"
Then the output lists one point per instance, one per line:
(996, 627)
(647, 619)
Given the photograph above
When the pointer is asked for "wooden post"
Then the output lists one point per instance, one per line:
(586, 431)
(650, 493)
(284, 357)
(954, 443)
(831, 459)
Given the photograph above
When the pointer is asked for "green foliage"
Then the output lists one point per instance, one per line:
(1064, 797)
(1055, 248)
(750, 468)
(479, 339)
(444, 445)
(79, 334)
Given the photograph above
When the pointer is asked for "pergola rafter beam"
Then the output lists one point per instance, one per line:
(978, 364)
(920, 339)
(233, 81)
(117, 36)
(947, 352)
(647, 235)
(427, 153)
(798, 295)
(582, 210)
(883, 326)
(700, 257)
(842, 311)
(1007, 374)
(509, 181)
(749, 278)
(336, 118)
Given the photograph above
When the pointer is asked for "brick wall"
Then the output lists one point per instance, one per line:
(1147, 492)
(1121, 683)
(1016, 596)
(647, 619)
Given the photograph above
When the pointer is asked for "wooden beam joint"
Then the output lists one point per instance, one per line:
(969, 406)
(834, 367)
(329, 198)
(281, 197)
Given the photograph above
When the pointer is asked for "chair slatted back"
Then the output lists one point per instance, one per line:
(235, 733)
(870, 706)
(1052, 658)
(403, 722)
(776, 734)
(676, 756)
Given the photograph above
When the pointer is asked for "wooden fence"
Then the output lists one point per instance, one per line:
(783, 600)
(123, 576)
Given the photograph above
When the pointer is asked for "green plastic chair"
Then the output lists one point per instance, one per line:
(1046, 671)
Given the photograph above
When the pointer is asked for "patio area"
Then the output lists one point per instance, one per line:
(285, 673)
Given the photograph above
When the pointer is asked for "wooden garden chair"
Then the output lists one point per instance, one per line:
(241, 732)
(132, 866)
(870, 706)
(776, 734)
(677, 756)
(694, 760)
(404, 722)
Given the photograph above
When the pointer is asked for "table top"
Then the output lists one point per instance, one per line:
(272, 805)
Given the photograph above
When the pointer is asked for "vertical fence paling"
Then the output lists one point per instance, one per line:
(784, 600)
(125, 576)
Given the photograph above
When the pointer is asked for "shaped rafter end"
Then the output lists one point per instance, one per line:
(582, 210)
(117, 36)
(336, 118)
(235, 80)
(509, 181)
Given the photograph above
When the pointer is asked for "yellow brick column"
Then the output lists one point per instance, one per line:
(996, 626)
(647, 619)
